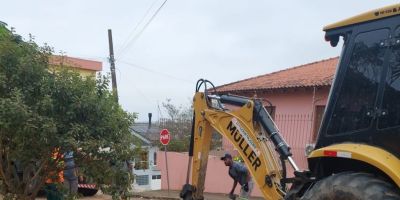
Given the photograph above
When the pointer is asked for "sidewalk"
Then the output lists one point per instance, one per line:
(174, 195)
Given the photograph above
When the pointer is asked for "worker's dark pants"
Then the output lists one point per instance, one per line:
(71, 186)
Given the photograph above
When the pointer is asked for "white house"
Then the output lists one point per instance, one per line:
(147, 176)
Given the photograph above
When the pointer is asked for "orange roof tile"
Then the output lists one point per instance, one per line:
(318, 73)
(76, 62)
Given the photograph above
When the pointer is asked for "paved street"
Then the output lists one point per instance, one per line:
(163, 194)
(156, 195)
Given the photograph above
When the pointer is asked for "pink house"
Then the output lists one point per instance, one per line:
(296, 99)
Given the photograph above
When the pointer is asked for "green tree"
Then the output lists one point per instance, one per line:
(179, 124)
(41, 111)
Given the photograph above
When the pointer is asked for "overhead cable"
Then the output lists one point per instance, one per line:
(136, 37)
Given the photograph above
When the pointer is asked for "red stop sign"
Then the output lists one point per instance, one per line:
(165, 137)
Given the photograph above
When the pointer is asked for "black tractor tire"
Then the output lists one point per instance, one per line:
(352, 186)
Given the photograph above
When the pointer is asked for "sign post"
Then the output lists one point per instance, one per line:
(165, 137)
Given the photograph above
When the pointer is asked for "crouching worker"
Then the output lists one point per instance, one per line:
(239, 173)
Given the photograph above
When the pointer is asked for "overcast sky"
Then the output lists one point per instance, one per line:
(220, 40)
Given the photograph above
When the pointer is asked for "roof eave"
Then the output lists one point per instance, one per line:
(274, 89)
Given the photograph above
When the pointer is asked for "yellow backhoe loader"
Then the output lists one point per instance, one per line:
(357, 154)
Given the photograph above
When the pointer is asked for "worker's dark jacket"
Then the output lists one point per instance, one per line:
(238, 172)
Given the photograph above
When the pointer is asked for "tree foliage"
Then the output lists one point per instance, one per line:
(41, 111)
(179, 124)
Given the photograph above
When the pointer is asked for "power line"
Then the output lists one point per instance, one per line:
(143, 29)
(156, 72)
(124, 44)
(105, 59)
(140, 92)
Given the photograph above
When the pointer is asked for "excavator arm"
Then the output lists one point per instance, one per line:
(252, 132)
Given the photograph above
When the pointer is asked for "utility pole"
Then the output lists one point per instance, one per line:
(112, 65)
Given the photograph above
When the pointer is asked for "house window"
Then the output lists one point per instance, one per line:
(319, 113)
(142, 180)
(156, 177)
(155, 158)
(142, 160)
(271, 111)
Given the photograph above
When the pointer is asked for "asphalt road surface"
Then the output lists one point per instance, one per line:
(157, 195)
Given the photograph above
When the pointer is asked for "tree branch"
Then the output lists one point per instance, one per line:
(6, 181)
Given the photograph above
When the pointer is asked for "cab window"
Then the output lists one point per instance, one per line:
(355, 104)
(390, 112)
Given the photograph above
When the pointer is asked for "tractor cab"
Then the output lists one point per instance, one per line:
(364, 101)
